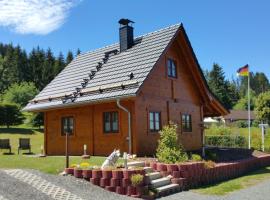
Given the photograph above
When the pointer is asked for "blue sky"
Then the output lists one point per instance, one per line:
(231, 33)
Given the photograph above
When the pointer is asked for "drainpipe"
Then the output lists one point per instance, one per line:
(129, 125)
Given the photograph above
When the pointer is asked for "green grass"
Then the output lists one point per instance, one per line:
(224, 188)
(50, 164)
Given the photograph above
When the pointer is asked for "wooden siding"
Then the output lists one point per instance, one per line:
(88, 130)
(172, 97)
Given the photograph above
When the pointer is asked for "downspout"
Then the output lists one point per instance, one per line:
(129, 126)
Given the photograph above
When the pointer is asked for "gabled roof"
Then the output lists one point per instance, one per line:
(240, 115)
(138, 60)
(113, 80)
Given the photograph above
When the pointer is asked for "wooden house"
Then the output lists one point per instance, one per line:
(121, 95)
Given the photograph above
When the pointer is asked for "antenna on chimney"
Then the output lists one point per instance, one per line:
(125, 22)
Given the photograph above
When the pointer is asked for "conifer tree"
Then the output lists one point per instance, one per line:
(48, 68)
(69, 57)
(78, 52)
(219, 86)
(59, 64)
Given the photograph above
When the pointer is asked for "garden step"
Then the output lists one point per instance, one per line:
(148, 169)
(153, 175)
(136, 164)
(168, 189)
(160, 182)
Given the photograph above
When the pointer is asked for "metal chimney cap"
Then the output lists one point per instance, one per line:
(125, 21)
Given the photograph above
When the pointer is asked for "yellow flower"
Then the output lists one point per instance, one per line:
(73, 165)
(85, 165)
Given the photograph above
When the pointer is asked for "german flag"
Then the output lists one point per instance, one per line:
(243, 71)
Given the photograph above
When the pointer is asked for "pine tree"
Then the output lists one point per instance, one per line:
(233, 91)
(10, 68)
(69, 57)
(24, 69)
(48, 68)
(259, 83)
(219, 86)
(1, 74)
(59, 64)
(78, 52)
(36, 62)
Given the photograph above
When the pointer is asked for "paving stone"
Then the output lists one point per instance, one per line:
(42, 185)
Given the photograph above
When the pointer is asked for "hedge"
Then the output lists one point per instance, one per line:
(226, 141)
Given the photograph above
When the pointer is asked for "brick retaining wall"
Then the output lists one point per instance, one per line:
(194, 174)
(187, 175)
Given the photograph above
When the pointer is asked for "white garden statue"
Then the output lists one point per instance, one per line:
(111, 160)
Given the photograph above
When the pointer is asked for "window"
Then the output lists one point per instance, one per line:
(67, 125)
(186, 123)
(154, 121)
(110, 122)
(171, 68)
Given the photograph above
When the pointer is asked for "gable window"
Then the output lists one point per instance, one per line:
(171, 68)
(67, 125)
(110, 122)
(154, 121)
(186, 123)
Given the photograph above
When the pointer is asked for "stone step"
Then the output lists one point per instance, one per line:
(160, 182)
(148, 169)
(168, 189)
(136, 164)
(153, 175)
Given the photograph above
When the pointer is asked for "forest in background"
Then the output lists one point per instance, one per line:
(23, 75)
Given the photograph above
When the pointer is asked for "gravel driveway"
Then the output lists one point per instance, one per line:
(34, 185)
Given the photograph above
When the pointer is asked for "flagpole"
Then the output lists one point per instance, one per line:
(249, 132)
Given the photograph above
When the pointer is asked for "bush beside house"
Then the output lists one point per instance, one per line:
(169, 148)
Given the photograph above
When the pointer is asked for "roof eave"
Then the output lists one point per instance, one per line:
(76, 104)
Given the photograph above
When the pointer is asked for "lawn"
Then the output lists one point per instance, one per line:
(51, 164)
(224, 188)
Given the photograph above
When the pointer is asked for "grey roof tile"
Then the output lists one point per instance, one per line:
(139, 60)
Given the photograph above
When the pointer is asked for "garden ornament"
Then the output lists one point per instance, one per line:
(111, 160)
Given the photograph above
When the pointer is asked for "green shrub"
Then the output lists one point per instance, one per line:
(169, 148)
(20, 94)
(226, 141)
(136, 179)
(267, 141)
(219, 130)
(255, 123)
(241, 124)
(196, 157)
(10, 114)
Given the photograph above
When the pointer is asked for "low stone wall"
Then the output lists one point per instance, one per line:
(186, 175)
(118, 180)
(193, 174)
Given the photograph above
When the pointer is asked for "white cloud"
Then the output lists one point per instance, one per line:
(34, 16)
